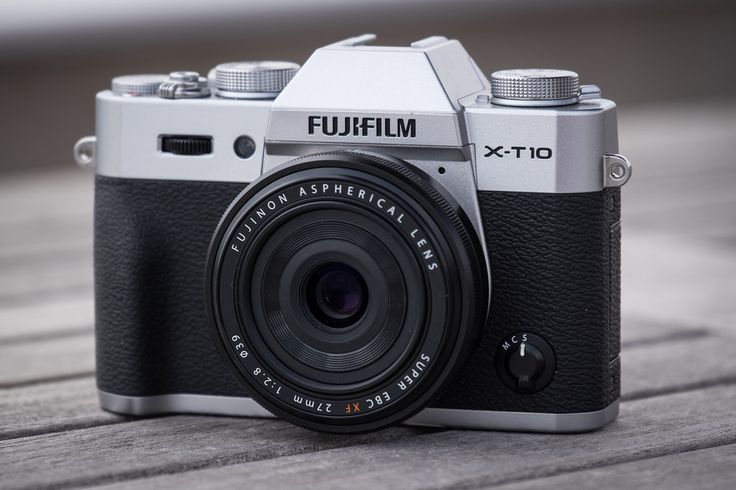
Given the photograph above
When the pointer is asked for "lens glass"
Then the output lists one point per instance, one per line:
(329, 299)
(336, 295)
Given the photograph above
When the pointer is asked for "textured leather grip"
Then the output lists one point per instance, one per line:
(555, 272)
(151, 240)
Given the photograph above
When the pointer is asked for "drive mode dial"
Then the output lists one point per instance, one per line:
(525, 362)
(138, 85)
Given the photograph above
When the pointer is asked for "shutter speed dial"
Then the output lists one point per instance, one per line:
(525, 362)
(253, 79)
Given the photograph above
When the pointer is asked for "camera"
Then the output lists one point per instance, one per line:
(382, 235)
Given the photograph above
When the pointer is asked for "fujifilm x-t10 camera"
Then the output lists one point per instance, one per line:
(381, 235)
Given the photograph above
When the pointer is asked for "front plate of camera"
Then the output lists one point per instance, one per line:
(346, 289)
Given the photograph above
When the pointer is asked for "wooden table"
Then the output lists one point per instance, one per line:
(677, 427)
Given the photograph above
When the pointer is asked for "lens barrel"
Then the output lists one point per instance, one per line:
(346, 289)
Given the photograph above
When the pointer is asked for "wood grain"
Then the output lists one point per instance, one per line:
(44, 197)
(683, 182)
(467, 459)
(704, 469)
(51, 407)
(41, 245)
(165, 445)
(32, 282)
(679, 365)
(48, 318)
(678, 279)
(45, 360)
(637, 331)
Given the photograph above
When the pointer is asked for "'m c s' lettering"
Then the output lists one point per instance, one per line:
(387, 127)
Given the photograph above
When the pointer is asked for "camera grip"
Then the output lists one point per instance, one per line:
(555, 272)
(151, 239)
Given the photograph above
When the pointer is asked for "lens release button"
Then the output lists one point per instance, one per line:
(525, 362)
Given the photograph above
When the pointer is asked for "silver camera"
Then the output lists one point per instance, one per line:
(381, 235)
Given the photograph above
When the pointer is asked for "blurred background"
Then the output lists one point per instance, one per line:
(54, 55)
(669, 64)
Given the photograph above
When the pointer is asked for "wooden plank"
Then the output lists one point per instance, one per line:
(704, 469)
(164, 445)
(678, 227)
(679, 365)
(51, 407)
(46, 195)
(29, 247)
(45, 245)
(637, 331)
(51, 218)
(45, 231)
(44, 295)
(174, 446)
(46, 359)
(19, 409)
(24, 322)
(645, 130)
(678, 280)
(34, 282)
(702, 204)
(672, 192)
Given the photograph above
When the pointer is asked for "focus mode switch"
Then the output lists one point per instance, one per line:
(525, 362)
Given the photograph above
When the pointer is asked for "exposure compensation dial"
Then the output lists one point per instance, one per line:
(539, 87)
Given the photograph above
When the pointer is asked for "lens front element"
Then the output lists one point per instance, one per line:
(336, 294)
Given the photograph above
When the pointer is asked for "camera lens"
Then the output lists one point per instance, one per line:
(304, 289)
(336, 294)
(347, 289)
